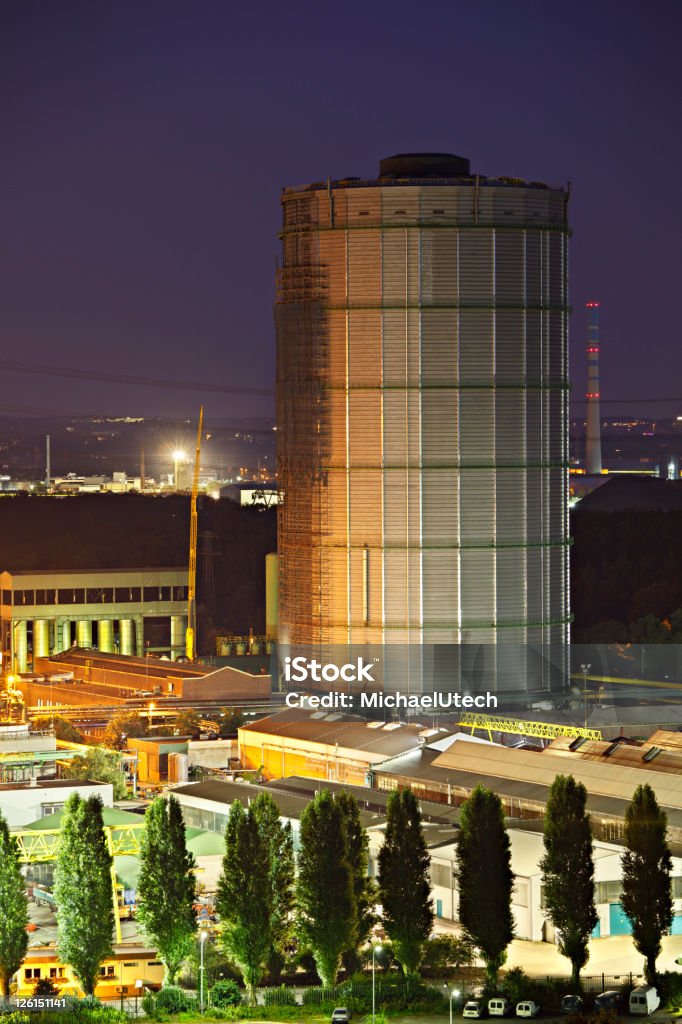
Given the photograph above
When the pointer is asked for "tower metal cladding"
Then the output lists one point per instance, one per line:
(422, 411)
(593, 419)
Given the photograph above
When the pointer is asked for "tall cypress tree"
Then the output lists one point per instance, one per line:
(647, 865)
(324, 891)
(83, 890)
(279, 842)
(244, 896)
(404, 884)
(364, 890)
(14, 912)
(166, 888)
(485, 879)
(568, 870)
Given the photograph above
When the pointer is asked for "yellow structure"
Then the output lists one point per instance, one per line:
(130, 970)
(190, 640)
(519, 727)
(41, 845)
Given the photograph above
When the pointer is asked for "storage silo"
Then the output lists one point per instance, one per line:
(422, 411)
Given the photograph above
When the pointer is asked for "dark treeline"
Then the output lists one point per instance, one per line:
(625, 570)
(110, 531)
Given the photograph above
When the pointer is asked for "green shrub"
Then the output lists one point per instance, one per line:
(225, 992)
(168, 1001)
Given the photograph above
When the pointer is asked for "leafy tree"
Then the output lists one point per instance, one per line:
(647, 864)
(14, 904)
(446, 953)
(279, 843)
(324, 890)
(568, 870)
(121, 727)
(187, 723)
(243, 899)
(404, 885)
(82, 890)
(166, 889)
(225, 992)
(63, 728)
(364, 890)
(229, 721)
(100, 766)
(485, 878)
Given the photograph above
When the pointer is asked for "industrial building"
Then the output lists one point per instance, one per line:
(130, 970)
(422, 418)
(325, 746)
(43, 613)
(83, 677)
(24, 802)
(522, 779)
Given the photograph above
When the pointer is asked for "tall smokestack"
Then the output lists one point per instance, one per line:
(593, 431)
(47, 461)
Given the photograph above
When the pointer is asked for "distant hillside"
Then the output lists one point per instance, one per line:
(626, 492)
(107, 531)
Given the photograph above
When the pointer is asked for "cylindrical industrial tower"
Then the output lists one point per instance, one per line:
(422, 409)
(593, 420)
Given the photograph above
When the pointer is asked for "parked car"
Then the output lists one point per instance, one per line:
(609, 1000)
(527, 1008)
(499, 1006)
(341, 1015)
(474, 1008)
(571, 1004)
(644, 1000)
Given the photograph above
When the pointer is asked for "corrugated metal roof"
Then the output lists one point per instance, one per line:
(599, 777)
(384, 740)
(368, 799)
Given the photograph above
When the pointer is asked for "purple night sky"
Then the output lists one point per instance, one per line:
(145, 144)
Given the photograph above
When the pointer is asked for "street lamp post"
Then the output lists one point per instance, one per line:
(375, 950)
(454, 994)
(202, 940)
(178, 457)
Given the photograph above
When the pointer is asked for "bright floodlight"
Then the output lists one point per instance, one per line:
(179, 455)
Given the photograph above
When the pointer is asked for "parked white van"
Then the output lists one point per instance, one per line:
(644, 1000)
(499, 1007)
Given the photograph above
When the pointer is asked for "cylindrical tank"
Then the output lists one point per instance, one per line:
(178, 768)
(84, 633)
(20, 646)
(178, 626)
(255, 647)
(127, 634)
(271, 598)
(240, 647)
(422, 412)
(105, 635)
(41, 638)
(225, 648)
(66, 635)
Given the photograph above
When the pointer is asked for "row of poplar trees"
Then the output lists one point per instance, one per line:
(83, 889)
(485, 877)
(326, 907)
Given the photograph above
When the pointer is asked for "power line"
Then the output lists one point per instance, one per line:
(122, 378)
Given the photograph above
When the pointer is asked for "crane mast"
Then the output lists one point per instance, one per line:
(190, 636)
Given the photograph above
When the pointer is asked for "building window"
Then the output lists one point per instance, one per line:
(32, 972)
(79, 595)
(151, 593)
(609, 892)
(441, 874)
(25, 597)
(48, 809)
(677, 886)
(7, 597)
(164, 593)
(64, 596)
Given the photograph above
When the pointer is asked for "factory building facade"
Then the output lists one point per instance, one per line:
(422, 414)
(44, 613)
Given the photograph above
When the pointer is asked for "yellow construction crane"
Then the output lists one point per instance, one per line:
(190, 636)
(520, 727)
